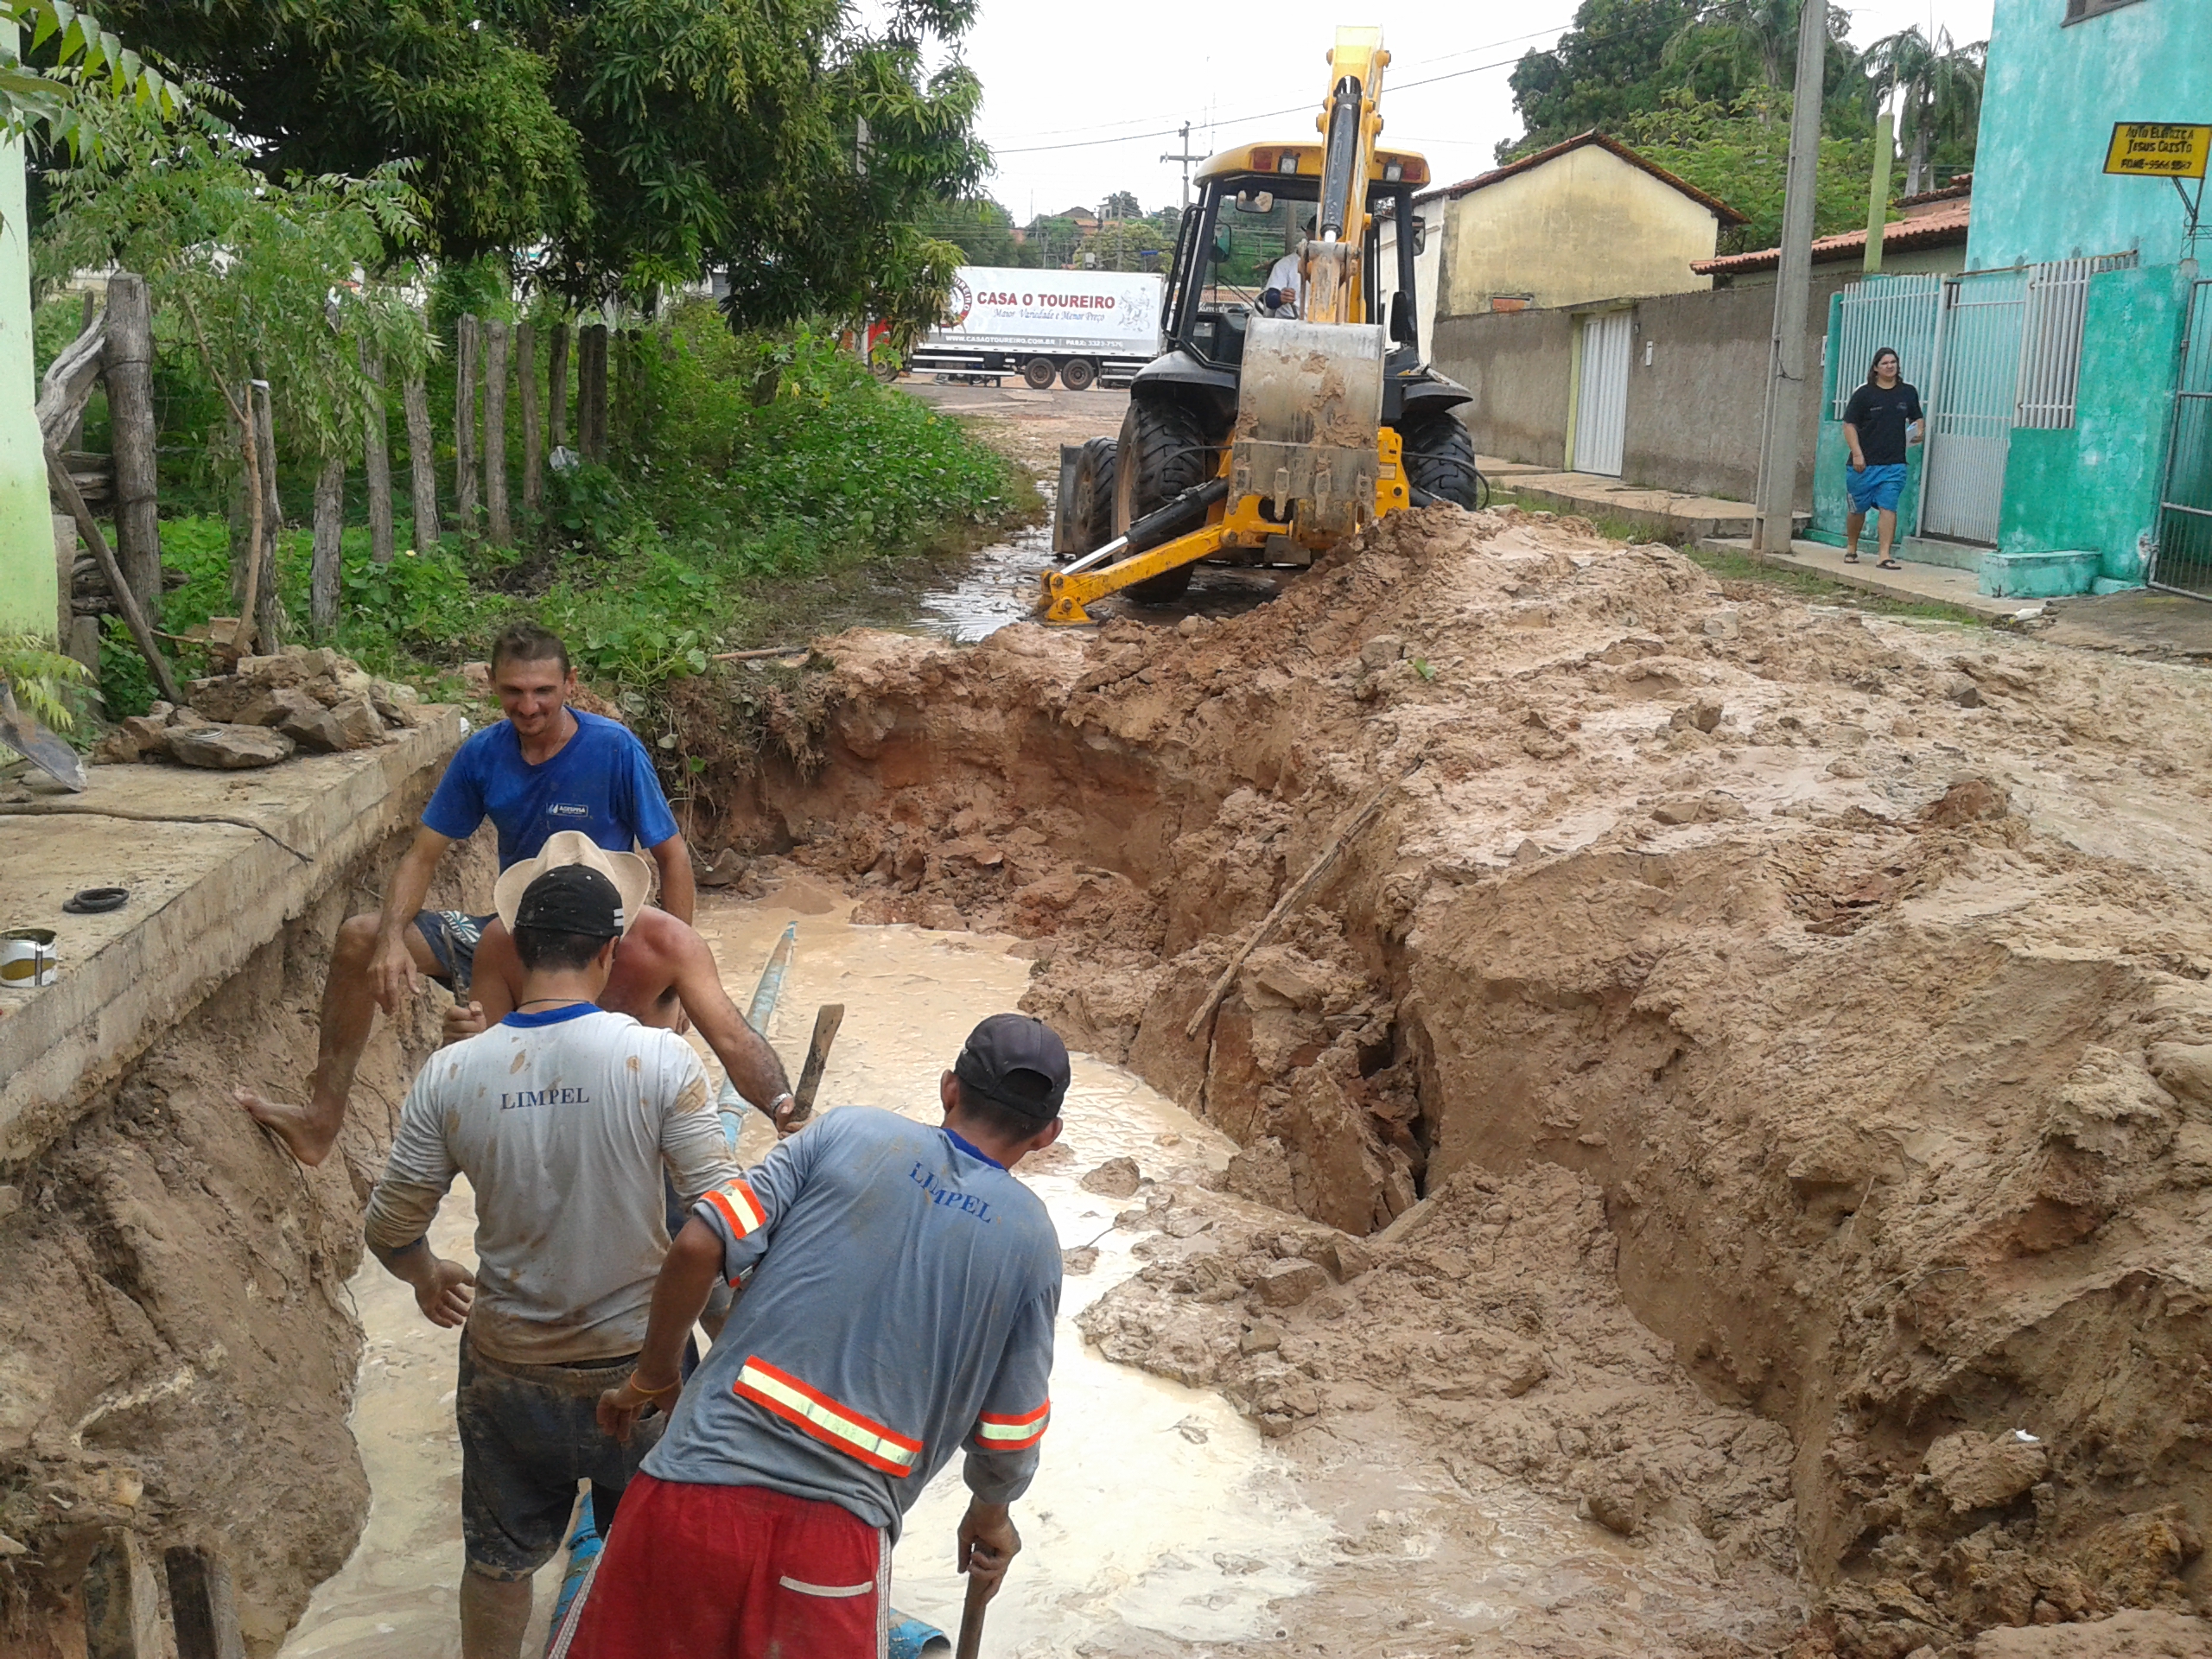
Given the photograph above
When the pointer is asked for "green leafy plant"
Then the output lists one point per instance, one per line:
(84, 66)
(42, 680)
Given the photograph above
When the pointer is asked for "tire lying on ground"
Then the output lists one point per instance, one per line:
(1163, 452)
(1440, 457)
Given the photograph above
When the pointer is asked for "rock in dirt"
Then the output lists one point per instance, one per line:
(1617, 1506)
(1984, 1472)
(2138, 1634)
(1117, 1178)
(1079, 1260)
(1962, 691)
(148, 733)
(229, 748)
(1286, 1284)
(357, 722)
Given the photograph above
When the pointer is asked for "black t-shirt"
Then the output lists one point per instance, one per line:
(1882, 418)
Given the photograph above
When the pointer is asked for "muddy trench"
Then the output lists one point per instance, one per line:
(1717, 1165)
(1859, 997)
(178, 1349)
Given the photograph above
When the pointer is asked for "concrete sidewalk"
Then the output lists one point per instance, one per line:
(1663, 513)
(204, 897)
(1939, 584)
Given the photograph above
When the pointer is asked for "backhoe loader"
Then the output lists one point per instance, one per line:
(1267, 435)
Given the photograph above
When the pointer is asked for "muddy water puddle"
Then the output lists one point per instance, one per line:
(1161, 1523)
(999, 585)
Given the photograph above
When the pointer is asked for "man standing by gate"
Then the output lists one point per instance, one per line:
(1883, 417)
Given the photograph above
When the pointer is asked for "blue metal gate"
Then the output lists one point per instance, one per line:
(2183, 559)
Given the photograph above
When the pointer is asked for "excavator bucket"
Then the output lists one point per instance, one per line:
(1307, 413)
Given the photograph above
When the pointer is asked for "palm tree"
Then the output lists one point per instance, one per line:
(1744, 41)
(1938, 86)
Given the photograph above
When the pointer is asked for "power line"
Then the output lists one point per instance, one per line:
(1437, 57)
(1264, 115)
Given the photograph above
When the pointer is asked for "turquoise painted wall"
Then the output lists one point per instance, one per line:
(1831, 501)
(2095, 486)
(29, 590)
(2053, 92)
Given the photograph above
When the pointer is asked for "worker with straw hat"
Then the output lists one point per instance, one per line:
(564, 1117)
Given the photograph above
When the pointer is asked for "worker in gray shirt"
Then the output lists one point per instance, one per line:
(564, 1117)
(899, 1290)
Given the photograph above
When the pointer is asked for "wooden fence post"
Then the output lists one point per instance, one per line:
(591, 391)
(324, 569)
(376, 461)
(466, 352)
(556, 387)
(129, 372)
(499, 529)
(268, 614)
(422, 462)
(533, 447)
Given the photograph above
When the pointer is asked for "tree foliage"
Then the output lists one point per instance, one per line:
(1938, 88)
(74, 65)
(1626, 59)
(273, 279)
(628, 143)
(1740, 152)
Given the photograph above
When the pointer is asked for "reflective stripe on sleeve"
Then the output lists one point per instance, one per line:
(1012, 1433)
(815, 1414)
(734, 1202)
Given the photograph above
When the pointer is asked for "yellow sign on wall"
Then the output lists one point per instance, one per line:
(2159, 149)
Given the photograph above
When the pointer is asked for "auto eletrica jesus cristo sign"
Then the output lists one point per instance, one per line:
(2159, 149)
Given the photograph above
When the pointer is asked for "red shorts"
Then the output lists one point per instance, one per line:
(735, 1572)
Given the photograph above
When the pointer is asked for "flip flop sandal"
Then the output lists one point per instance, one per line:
(97, 901)
(1851, 558)
(1889, 564)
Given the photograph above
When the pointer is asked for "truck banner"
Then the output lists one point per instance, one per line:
(1096, 312)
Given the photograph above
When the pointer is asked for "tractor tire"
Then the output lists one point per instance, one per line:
(1163, 452)
(1090, 513)
(1078, 372)
(1440, 457)
(1038, 373)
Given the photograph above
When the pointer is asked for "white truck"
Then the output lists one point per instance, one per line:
(1080, 327)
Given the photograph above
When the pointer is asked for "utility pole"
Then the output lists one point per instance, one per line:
(1186, 158)
(1786, 357)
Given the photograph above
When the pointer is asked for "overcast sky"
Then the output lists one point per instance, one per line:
(1132, 71)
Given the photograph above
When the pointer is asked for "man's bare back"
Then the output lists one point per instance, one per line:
(663, 974)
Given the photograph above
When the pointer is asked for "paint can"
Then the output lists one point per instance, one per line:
(28, 958)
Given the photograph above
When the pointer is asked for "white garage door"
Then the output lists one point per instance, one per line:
(1601, 399)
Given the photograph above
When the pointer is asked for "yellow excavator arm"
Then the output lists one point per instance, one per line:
(1350, 122)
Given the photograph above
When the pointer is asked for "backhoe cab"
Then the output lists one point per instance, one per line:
(1267, 440)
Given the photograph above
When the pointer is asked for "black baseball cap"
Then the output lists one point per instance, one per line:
(571, 898)
(1018, 1062)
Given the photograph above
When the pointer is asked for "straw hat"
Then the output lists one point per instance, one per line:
(631, 873)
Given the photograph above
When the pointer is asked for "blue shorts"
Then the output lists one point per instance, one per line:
(1876, 487)
(453, 936)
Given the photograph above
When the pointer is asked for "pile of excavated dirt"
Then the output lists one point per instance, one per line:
(1850, 972)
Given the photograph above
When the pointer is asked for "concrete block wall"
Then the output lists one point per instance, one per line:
(1695, 409)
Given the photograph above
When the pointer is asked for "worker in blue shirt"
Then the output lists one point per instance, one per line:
(545, 767)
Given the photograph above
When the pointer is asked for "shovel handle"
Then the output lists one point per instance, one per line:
(971, 1617)
(818, 1057)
